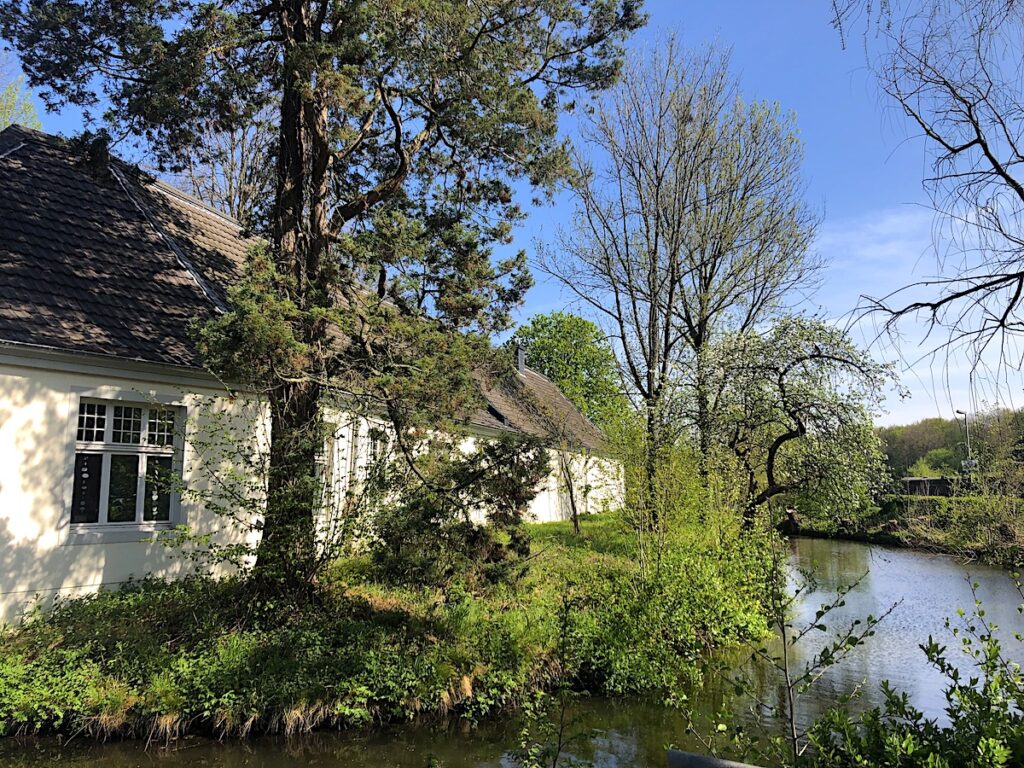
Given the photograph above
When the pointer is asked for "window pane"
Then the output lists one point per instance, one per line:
(160, 430)
(92, 420)
(378, 448)
(124, 485)
(156, 504)
(127, 426)
(85, 500)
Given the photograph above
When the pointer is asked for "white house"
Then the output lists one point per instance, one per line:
(102, 393)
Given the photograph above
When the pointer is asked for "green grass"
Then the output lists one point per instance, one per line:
(163, 658)
(599, 534)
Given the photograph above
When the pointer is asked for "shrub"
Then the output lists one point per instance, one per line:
(423, 532)
(164, 657)
(985, 710)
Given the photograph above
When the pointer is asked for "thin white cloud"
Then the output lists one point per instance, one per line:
(874, 255)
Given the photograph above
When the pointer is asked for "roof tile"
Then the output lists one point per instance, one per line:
(117, 263)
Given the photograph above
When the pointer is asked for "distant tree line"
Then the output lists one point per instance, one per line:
(937, 447)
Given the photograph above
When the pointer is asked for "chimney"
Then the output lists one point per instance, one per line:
(95, 152)
(520, 358)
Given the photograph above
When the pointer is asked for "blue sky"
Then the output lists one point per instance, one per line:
(863, 167)
(863, 170)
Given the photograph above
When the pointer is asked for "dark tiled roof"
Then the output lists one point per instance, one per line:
(533, 404)
(106, 260)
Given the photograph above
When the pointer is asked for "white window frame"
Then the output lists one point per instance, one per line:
(379, 447)
(104, 531)
(356, 464)
(371, 442)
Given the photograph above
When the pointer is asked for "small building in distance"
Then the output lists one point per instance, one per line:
(927, 486)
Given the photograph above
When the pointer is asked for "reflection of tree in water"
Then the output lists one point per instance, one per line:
(832, 564)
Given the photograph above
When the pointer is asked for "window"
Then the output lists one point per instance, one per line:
(378, 445)
(125, 463)
(354, 452)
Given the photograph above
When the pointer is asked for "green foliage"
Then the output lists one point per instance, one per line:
(986, 525)
(972, 525)
(257, 338)
(15, 103)
(982, 518)
(542, 737)
(545, 734)
(984, 707)
(924, 468)
(844, 514)
(577, 356)
(169, 70)
(424, 531)
(644, 634)
(795, 409)
(942, 460)
(664, 490)
(905, 445)
(201, 655)
(936, 447)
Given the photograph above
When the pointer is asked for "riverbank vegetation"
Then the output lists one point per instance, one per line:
(979, 512)
(158, 659)
(988, 528)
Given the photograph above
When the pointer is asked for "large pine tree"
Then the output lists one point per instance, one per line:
(402, 127)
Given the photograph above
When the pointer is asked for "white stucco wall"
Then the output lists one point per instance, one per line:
(40, 554)
(596, 480)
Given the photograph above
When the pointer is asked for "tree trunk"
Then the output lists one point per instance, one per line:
(286, 558)
(651, 449)
(703, 413)
(570, 488)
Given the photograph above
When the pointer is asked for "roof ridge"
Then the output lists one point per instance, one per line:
(170, 190)
(169, 241)
(15, 136)
(34, 134)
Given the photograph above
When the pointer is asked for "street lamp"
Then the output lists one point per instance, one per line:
(969, 464)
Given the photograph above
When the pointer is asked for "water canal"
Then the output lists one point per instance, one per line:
(628, 734)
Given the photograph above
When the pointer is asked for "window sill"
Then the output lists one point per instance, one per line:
(114, 533)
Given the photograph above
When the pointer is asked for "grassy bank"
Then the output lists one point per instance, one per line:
(159, 659)
(989, 528)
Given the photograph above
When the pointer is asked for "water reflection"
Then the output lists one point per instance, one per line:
(928, 588)
(623, 734)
